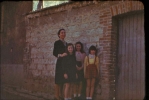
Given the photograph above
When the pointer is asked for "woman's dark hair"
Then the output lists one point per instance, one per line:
(70, 44)
(58, 33)
(82, 51)
(93, 48)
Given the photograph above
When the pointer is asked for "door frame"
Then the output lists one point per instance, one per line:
(115, 45)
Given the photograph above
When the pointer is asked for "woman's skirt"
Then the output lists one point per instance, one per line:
(59, 75)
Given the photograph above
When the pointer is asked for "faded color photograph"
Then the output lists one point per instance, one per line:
(72, 50)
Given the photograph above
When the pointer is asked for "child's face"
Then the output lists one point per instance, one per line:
(70, 49)
(78, 47)
(93, 52)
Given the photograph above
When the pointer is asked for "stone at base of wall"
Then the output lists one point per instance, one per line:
(12, 74)
(25, 93)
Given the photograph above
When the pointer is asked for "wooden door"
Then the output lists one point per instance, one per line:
(130, 84)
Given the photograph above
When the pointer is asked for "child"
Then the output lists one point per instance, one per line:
(69, 70)
(80, 55)
(91, 71)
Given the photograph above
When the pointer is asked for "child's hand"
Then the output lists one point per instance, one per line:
(77, 67)
(84, 75)
(80, 68)
(65, 76)
(76, 76)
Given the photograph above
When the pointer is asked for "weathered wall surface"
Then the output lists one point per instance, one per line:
(12, 75)
(89, 22)
(13, 35)
(13, 30)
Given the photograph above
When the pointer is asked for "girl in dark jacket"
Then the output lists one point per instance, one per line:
(69, 70)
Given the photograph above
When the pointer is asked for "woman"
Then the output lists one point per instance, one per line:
(59, 53)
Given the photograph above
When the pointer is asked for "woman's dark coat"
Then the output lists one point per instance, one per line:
(59, 48)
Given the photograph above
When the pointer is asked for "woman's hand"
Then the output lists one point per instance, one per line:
(65, 76)
(64, 54)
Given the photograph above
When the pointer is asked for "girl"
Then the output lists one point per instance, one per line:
(80, 55)
(69, 71)
(59, 53)
(91, 71)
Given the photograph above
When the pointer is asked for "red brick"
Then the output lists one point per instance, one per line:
(103, 16)
(105, 24)
(108, 18)
(119, 8)
(134, 5)
(141, 6)
(106, 41)
(107, 58)
(108, 61)
(102, 22)
(109, 29)
(106, 12)
(101, 39)
(107, 38)
(114, 9)
(111, 11)
(110, 26)
(129, 6)
(123, 7)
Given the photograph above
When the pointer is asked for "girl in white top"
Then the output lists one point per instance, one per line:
(80, 55)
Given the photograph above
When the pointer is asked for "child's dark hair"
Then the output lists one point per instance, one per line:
(70, 44)
(82, 51)
(58, 33)
(93, 48)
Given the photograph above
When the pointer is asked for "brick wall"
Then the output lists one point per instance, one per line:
(89, 22)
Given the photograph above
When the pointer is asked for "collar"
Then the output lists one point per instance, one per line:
(62, 40)
(91, 56)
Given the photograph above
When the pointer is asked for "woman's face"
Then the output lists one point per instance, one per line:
(78, 47)
(62, 34)
(70, 49)
(93, 52)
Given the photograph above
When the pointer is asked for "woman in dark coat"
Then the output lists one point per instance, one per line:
(59, 53)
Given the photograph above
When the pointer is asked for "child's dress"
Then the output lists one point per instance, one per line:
(91, 67)
(69, 68)
(80, 59)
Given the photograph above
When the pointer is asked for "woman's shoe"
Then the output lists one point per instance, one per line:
(75, 98)
(61, 98)
(55, 99)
